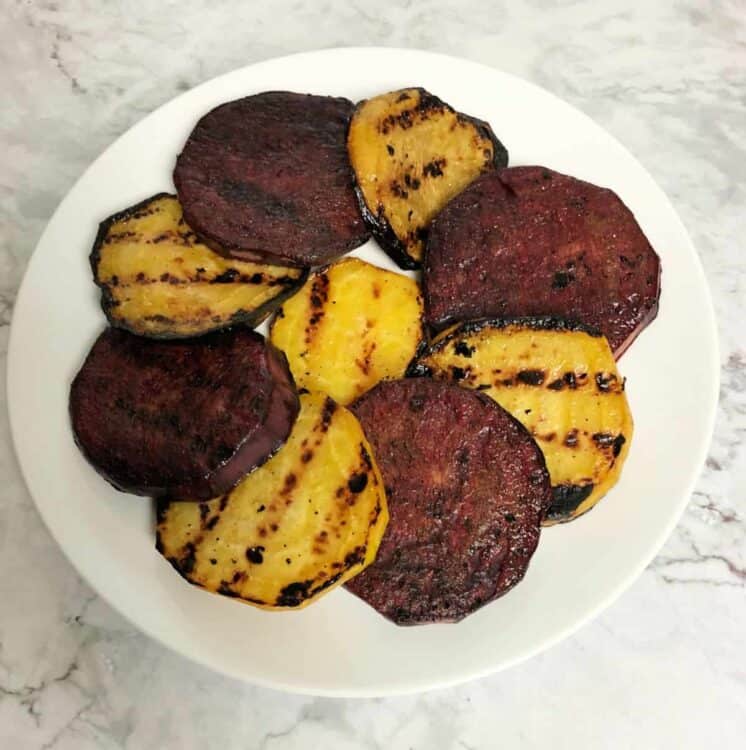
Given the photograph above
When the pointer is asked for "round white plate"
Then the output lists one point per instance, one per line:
(340, 646)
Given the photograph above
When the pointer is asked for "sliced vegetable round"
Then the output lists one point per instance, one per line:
(181, 418)
(308, 520)
(351, 325)
(530, 241)
(467, 488)
(266, 179)
(561, 382)
(158, 280)
(411, 154)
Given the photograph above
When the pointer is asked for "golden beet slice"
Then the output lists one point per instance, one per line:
(351, 325)
(309, 519)
(157, 279)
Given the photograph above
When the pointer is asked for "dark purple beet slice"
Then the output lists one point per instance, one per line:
(266, 178)
(467, 488)
(530, 241)
(185, 419)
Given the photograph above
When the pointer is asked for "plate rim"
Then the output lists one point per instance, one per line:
(410, 685)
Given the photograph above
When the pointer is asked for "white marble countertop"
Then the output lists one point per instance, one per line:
(663, 667)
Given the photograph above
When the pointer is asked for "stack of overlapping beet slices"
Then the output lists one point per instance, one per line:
(408, 440)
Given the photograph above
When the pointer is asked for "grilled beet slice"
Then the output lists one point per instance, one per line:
(181, 418)
(467, 489)
(158, 280)
(529, 241)
(267, 179)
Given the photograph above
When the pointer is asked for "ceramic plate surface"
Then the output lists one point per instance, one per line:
(340, 646)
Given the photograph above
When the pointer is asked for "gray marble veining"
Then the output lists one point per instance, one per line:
(663, 667)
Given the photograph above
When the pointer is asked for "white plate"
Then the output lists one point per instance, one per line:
(340, 646)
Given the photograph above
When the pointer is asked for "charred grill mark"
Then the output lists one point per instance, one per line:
(366, 459)
(434, 168)
(566, 498)
(213, 522)
(404, 120)
(119, 236)
(571, 438)
(357, 483)
(390, 149)
(531, 377)
(416, 235)
(251, 193)
(419, 370)
(161, 509)
(255, 554)
(397, 190)
(562, 279)
(619, 441)
(319, 297)
(536, 323)
(606, 382)
(226, 277)
(188, 559)
(294, 594)
(327, 412)
(356, 556)
(326, 584)
(322, 537)
(459, 373)
(463, 349)
(364, 363)
(291, 480)
(602, 439)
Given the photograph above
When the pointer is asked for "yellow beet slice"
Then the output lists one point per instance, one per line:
(305, 522)
(350, 326)
(158, 280)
